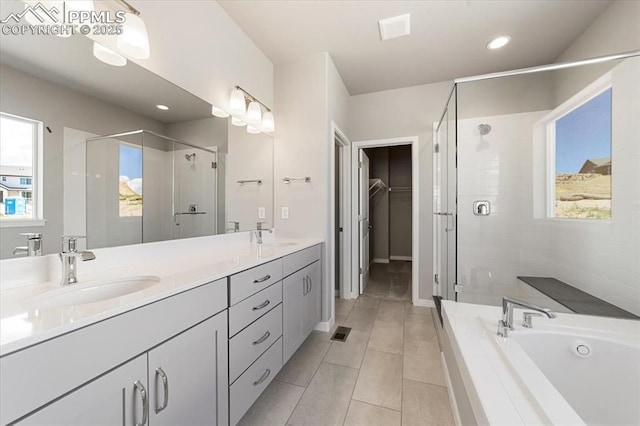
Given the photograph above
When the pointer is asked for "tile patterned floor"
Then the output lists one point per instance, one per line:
(387, 373)
(390, 280)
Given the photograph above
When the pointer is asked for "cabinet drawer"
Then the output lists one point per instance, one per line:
(249, 310)
(296, 261)
(252, 383)
(244, 284)
(251, 342)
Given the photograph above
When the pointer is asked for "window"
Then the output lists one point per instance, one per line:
(130, 182)
(583, 163)
(20, 143)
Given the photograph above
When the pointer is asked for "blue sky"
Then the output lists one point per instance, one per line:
(584, 133)
(130, 161)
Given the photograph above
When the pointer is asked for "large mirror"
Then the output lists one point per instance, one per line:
(87, 150)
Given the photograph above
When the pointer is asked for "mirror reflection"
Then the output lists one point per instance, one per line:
(139, 161)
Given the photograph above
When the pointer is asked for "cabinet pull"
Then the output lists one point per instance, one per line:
(145, 401)
(165, 383)
(310, 284)
(261, 306)
(263, 338)
(263, 378)
(304, 286)
(263, 279)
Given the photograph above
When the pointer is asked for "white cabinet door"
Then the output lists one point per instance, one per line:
(112, 399)
(293, 320)
(312, 298)
(188, 376)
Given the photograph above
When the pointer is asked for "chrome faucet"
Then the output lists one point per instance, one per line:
(506, 323)
(260, 230)
(69, 257)
(33, 247)
(236, 226)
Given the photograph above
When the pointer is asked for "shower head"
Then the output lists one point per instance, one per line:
(485, 129)
(190, 157)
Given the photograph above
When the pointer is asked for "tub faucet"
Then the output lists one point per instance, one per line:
(33, 247)
(235, 228)
(506, 323)
(69, 257)
(260, 230)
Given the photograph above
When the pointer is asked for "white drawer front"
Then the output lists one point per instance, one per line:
(244, 284)
(249, 344)
(298, 260)
(253, 382)
(249, 310)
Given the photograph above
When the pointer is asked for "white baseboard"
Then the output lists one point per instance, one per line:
(380, 261)
(452, 397)
(325, 325)
(428, 303)
(407, 258)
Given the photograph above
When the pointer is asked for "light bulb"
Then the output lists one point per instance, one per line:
(268, 122)
(253, 130)
(219, 112)
(108, 56)
(254, 113)
(237, 105)
(237, 122)
(134, 40)
(498, 42)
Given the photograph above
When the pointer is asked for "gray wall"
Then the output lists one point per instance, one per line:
(400, 203)
(57, 107)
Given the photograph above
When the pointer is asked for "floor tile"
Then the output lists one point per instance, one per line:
(387, 337)
(410, 308)
(380, 380)
(275, 405)
(361, 319)
(301, 366)
(343, 306)
(422, 363)
(418, 328)
(326, 400)
(425, 404)
(362, 414)
(390, 311)
(349, 353)
(367, 302)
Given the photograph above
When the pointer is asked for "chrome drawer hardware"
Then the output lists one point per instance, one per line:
(145, 401)
(263, 378)
(261, 306)
(263, 338)
(165, 383)
(263, 279)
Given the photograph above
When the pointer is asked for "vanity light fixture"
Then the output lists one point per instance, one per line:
(247, 109)
(134, 40)
(217, 112)
(108, 56)
(498, 42)
(163, 107)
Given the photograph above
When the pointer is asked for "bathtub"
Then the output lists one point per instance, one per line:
(598, 377)
(571, 370)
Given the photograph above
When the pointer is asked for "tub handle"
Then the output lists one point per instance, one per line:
(526, 319)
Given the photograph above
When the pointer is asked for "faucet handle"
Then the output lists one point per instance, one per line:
(32, 235)
(526, 319)
(69, 243)
(259, 225)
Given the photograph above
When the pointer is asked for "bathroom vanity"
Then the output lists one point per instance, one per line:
(197, 347)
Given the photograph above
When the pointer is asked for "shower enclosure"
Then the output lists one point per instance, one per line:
(537, 173)
(144, 187)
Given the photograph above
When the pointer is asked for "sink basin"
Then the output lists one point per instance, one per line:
(278, 244)
(93, 291)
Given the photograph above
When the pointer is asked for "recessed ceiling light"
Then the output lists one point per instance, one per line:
(397, 26)
(162, 107)
(498, 42)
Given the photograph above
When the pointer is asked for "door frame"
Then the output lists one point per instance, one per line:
(339, 140)
(415, 222)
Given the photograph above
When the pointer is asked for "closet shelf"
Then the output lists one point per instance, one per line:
(376, 188)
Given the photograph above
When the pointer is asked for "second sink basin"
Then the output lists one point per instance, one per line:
(94, 291)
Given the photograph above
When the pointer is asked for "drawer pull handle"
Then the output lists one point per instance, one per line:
(165, 384)
(263, 378)
(263, 279)
(261, 306)
(263, 338)
(145, 401)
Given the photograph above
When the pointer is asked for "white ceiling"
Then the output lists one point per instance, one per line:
(447, 40)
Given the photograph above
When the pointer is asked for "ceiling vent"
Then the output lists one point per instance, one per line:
(395, 27)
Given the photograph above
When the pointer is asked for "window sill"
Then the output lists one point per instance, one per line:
(22, 223)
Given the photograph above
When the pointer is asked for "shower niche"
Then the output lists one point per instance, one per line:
(145, 187)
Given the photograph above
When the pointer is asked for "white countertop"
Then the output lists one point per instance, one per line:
(502, 381)
(180, 265)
